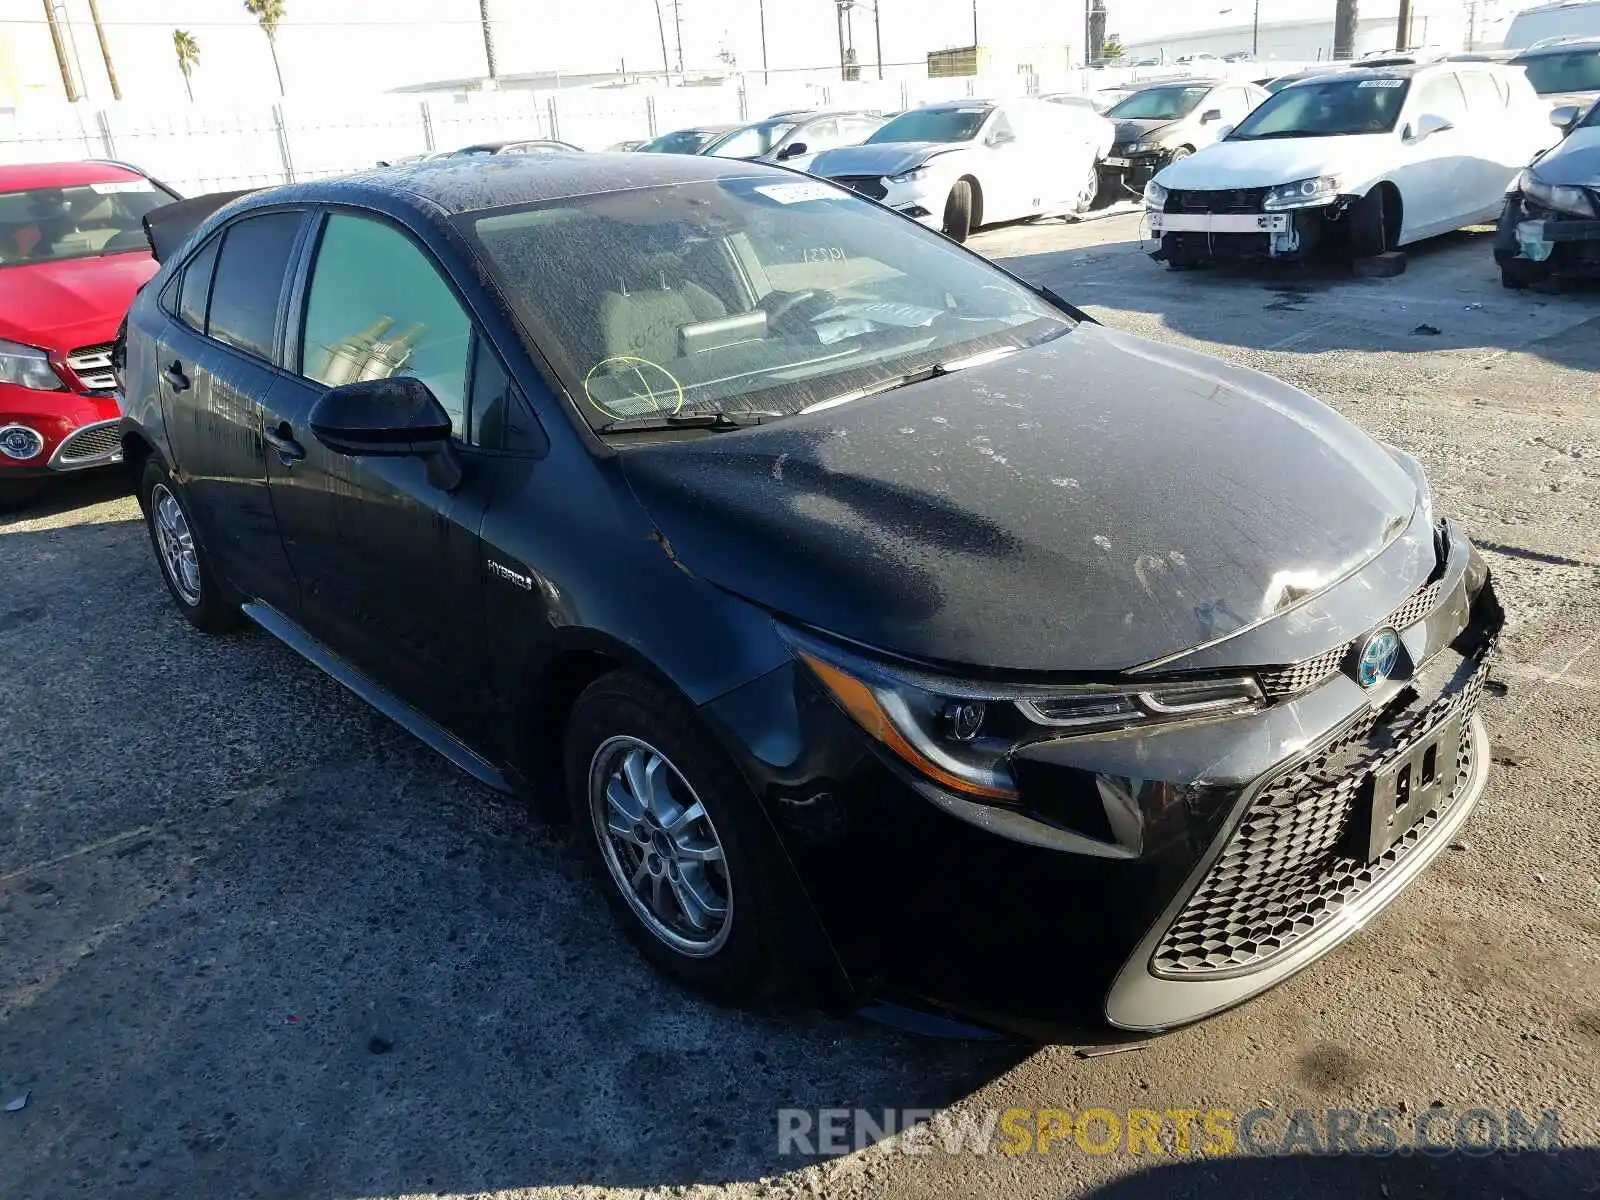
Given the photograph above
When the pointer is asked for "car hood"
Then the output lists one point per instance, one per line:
(1135, 131)
(1092, 504)
(881, 158)
(1266, 163)
(76, 302)
(1575, 161)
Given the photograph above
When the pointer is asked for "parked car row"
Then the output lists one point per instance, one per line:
(1367, 159)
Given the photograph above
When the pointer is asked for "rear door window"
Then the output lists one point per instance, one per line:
(1484, 97)
(1442, 96)
(196, 287)
(248, 285)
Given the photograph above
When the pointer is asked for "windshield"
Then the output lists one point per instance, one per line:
(934, 125)
(82, 221)
(744, 295)
(1554, 73)
(1327, 108)
(751, 141)
(1592, 121)
(681, 141)
(1160, 104)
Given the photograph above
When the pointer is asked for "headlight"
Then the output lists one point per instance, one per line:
(1561, 198)
(1155, 196)
(915, 175)
(961, 734)
(1305, 193)
(20, 442)
(1145, 148)
(28, 367)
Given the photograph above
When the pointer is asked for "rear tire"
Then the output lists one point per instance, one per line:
(185, 566)
(656, 872)
(958, 212)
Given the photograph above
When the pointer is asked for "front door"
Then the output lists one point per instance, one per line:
(1432, 173)
(388, 562)
(216, 365)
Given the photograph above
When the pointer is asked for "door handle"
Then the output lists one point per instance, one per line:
(280, 439)
(176, 379)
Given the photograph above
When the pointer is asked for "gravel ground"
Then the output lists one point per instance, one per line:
(255, 940)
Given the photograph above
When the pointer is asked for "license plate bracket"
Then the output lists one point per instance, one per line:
(1410, 785)
(1118, 162)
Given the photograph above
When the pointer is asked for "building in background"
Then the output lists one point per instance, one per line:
(999, 60)
(1305, 39)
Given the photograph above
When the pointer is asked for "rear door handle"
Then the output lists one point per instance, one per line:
(176, 379)
(280, 439)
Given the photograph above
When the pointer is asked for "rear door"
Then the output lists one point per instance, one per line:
(389, 564)
(216, 367)
(1498, 136)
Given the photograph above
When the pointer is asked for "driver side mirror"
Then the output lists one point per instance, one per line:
(1427, 125)
(1001, 137)
(1224, 130)
(398, 417)
(792, 150)
(1565, 117)
(1210, 115)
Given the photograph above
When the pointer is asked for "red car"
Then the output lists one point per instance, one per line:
(72, 254)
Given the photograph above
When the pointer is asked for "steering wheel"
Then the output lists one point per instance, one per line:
(126, 239)
(780, 306)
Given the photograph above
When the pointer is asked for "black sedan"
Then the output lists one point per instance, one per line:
(885, 626)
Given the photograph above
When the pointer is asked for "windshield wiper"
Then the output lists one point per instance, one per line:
(933, 371)
(696, 418)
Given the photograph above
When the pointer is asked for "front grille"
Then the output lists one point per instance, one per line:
(89, 443)
(1289, 868)
(92, 364)
(867, 185)
(1237, 200)
(1298, 677)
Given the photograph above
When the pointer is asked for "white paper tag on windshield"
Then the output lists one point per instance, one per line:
(798, 193)
(1382, 83)
(126, 185)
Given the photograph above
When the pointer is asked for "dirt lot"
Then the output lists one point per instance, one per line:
(254, 940)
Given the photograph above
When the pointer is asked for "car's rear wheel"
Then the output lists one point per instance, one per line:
(958, 212)
(673, 832)
(184, 565)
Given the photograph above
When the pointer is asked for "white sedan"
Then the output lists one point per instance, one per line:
(1363, 160)
(959, 165)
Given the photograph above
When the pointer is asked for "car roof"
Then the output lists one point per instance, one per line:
(19, 176)
(1565, 46)
(462, 185)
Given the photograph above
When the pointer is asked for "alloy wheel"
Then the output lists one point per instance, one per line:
(176, 544)
(660, 846)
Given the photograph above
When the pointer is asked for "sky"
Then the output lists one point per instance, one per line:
(344, 47)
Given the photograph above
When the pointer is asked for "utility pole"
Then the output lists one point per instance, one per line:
(841, 7)
(61, 51)
(677, 23)
(761, 8)
(974, 24)
(1255, 31)
(661, 28)
(877, 35)
(105, 50)
(1345, 19)
(1402, 33)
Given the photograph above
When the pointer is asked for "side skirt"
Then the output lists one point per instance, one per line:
(375, 694)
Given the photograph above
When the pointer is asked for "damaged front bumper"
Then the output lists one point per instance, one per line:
(1288, 236)
(1564, 243)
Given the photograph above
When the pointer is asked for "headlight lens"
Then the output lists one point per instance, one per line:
(20, 442)
(1155, 196)
(1305, 193)
(1144, 147)
(1561, 198)
(961, 734)
(915, 175)
(28, 367)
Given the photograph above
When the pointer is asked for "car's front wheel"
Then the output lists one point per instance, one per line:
(184, 565)
(1090, 191)
(958, 212)
(673, 832)
(1519, 273)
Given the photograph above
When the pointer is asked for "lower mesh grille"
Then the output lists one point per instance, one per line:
(90, 442)
(1287, 869)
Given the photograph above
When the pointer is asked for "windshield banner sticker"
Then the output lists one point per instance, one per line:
(1381, 83)
(798, 193)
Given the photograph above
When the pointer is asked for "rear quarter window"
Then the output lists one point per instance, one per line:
(248, 285)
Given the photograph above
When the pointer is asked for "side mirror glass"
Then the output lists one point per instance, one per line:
(1001, 138)
(1210, 115)
(1429, 124)
(399, 417)
(792, 150)
(1565, 117)
(1223, 131)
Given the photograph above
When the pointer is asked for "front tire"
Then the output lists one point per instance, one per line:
(1520, 273)
(676, 840)
(958, 212)
(1090, 191)
(185, 567)
(1369, 226)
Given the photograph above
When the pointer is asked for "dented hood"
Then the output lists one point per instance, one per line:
(1088, 505)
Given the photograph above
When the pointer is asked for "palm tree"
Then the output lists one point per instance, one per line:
(269, 13)
(488, 37)
(188, 52)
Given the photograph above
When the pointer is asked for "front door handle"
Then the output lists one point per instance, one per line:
(176, 379)
(281, 440)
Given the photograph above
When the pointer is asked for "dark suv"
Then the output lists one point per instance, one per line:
(885, 625)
